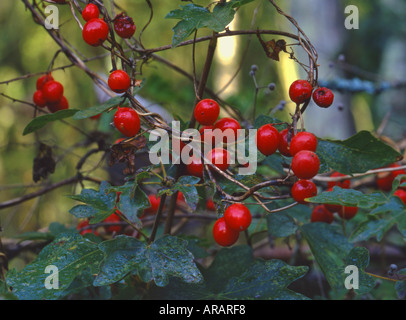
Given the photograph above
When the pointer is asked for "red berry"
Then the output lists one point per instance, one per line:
(303, 141)
(305, 164)
(195, 167)
(124, 26)
(39, 99)
(321, 214)
(223, 234)
(219, 157)
(53, 91)
(95, 32)
(300, 91)
(119, 81)
(180, 198)
(91, 11)
(60, 105)
(82, 224)
(385, 179)
(323, 97)
(113, 218)
(347, 213)
(229, 125)
(267, 139)
(207, 111)
(401, 194)
(333, 207)
(97, 116)
(237, 217)
(210, 205)
(303, 189)
(127, 121)
(154, 204)
(284, 142)
(345, 184)
(207, 135)
(43, 79)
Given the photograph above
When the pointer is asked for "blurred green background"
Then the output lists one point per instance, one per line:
(369, 57)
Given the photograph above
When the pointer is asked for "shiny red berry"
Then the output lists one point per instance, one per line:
(119, 81)
(385, 179)
(238, 217)
(195, 167)
(91, 11)
(219, 157)
(43, 79)
(305, 164)
(60, 105)
(345, 184)
(223, 234)
(267, 139)
(155, 201)
(124, 26)
(95, 32)
(401, 194)
(286, 136)
(207, 111)
(303, 141)
(114, 218)
(53, 91)
(321, 214)
(210, 206)
(127, 121)
(303, 189)
(228, 126)
(300, 91)
(39, 99)
(323, 97)
(347, 213)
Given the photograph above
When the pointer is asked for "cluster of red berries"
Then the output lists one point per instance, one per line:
(96, 30)
(385, 180)
(206, 114)
(49, 94)
(301, 91)
(325, 212)
(226, 229)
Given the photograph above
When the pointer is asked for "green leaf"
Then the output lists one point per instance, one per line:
(329, 247)
(244, 278)
(70, 253)
(357, 154)
(98, 204)
(359, 257)
(194, 17)
(133, 200)
(41, 121)
(264, 119)
(400, 286)
(166, 257)
(382, 219)
(266, 280)
(97, 109)
(185, 184)
(349, 198)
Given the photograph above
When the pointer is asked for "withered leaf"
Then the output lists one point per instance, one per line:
(125, 152)
(273, 48)
(44, 164)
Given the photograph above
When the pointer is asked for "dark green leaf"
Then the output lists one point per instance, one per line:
(357, 154)
(263, 119)
(329, 247)
(70, 253)
(186, 185)
(97, 109)
(41, 121)
(194, 17)
(349, 198)
(166, 257)
(265, 280)
(98, 204)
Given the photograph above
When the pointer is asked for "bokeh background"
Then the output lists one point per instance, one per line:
(365, 67)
